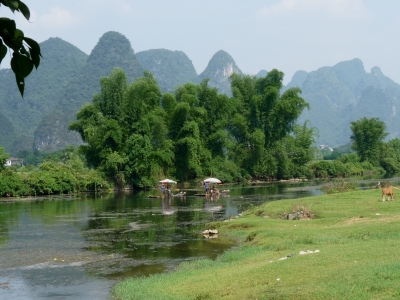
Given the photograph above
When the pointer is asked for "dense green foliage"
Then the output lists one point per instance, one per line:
(389, 156)
(335, 153)
(367, 138)
(267, 140)
(36, 157)
(373, 157)
(137, 135)
(125, 130)
(60, 173)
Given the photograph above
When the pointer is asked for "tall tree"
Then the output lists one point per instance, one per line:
(390, 156)
(187, 127)
(263, 118)
(299, 149)
(367, 138)
(219, 109)
(125, 130)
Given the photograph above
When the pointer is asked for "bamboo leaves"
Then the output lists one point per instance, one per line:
(137, 135)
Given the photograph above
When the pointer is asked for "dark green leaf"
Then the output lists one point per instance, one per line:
(24, 52)
(20, 83)
(18, 38)
(7, 32)
(35, 58)
(33, 45)
(21, 65)
(7, 25)
(3, 52)
(24, 10)
(18, 34)
(12, 4)
(34, 50)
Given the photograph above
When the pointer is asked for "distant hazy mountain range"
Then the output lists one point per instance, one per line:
(344, 93)
(68, 78)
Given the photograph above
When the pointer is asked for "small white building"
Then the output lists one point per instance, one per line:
(12, 161)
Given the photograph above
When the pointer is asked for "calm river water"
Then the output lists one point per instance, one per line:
(78, 247)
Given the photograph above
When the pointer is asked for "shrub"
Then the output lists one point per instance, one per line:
(303, 172)
(390, 165)
(12, 185)
(340, 168)
(349, 158)
(225, 170)
(340, 186)
(323, 169)
(302, 210)
(50, 178)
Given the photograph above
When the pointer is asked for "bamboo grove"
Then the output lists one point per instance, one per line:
(135, 134)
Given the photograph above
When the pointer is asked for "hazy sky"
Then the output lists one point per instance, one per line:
(289, 35)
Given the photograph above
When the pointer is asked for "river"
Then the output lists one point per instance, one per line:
(79, 246)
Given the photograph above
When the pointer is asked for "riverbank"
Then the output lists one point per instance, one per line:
(346, 247)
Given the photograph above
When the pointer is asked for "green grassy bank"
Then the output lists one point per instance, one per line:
(357, 235)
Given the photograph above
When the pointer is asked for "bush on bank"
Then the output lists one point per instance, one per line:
(61, 172)
(50, 178)
(340, 169)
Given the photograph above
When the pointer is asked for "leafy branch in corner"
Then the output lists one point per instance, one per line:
(26, 51)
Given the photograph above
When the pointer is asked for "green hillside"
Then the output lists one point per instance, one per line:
(67, 78)
(7, 132)
(344, 93)
(297, 80)
(262, 73)
(218, 70)
(61, 62)
(113, 50)
(170, 68)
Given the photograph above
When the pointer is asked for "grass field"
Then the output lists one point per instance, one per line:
(356, 234)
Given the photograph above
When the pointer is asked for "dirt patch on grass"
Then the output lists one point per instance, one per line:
(379, 219)
(239, 226)
(354, 220)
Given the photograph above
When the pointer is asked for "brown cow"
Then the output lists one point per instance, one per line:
(387, 191)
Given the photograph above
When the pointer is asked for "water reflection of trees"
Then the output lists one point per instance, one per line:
(166, 222)
(9, 213)
(103, 220)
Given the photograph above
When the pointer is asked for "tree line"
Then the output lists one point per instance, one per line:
(137, 135)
